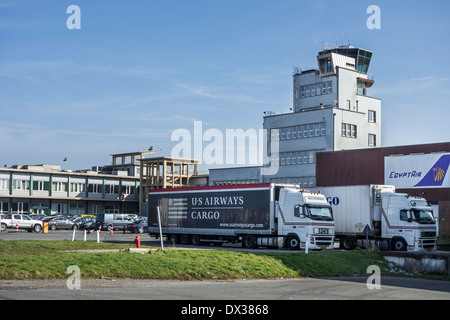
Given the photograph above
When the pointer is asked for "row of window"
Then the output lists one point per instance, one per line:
(350, 131)
(372, 140)
(371, 113)
(293, 158)
(19, 184)
(235, 182)
(314, 90)
(372, 116)
(298, 132)
(56, 208)
(303, 182)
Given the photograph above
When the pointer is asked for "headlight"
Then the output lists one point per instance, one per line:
(321, 230)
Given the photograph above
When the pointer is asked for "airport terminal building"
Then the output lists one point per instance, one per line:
(331, 111)
(46, 189)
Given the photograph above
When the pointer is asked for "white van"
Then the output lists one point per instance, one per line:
(106, 221)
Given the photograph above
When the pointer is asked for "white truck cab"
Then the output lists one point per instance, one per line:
(408, 222)
(305, 218)
(375, 215)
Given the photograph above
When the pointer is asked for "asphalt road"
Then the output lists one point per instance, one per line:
(392, 288)
(352, 288)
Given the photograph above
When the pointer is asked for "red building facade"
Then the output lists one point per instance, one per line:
(367, 166)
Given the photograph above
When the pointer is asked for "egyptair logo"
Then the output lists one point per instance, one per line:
(435, 177)
(439, 174)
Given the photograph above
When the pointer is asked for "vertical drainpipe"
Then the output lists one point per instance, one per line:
(11, 180)
(50, 193)
(120, 195)
(68, 194)
(86, 194)
(31, 193)
(11, 177)
(68, 186)
(334, 128)
(31, 184)
(103, 194)
(86, 187)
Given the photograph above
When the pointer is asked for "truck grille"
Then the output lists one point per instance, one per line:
(428, 243)
(323, 241)
(427, 234)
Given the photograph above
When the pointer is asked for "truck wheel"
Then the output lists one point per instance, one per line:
(37, 228)
(195, 240)
(185, 239)
(398, 244)
(249, 241)
(2, 227)
(173, 238)
(347, 243)
(293, 243)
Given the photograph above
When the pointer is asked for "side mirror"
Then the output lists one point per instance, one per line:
(404, 216)
(298, 212)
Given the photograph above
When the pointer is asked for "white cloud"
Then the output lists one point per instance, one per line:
(405, 86)
(35, 70)
(219, 93)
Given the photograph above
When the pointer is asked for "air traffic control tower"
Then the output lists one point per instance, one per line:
(332, 111)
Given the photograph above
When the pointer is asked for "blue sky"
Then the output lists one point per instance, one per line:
(138, 70)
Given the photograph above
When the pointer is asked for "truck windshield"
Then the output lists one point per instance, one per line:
(319, 213)
(423, 216)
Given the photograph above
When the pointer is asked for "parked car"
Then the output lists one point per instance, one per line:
(106, 221)
(20, 221)
(87, 222)
(78, 221)
(137, 226)
(37, 216)
(55, 223)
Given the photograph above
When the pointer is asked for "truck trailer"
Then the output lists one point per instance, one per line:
(375, 215)
(269, 215)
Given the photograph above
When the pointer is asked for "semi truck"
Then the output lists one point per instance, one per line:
(268, 215)
(375, 215)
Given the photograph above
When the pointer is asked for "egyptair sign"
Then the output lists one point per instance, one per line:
(417, 171)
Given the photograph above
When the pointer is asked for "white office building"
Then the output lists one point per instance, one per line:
(331, 111)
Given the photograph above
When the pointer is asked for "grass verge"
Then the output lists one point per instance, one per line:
(44, 260)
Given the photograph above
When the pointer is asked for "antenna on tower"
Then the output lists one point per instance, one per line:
(328, 46)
